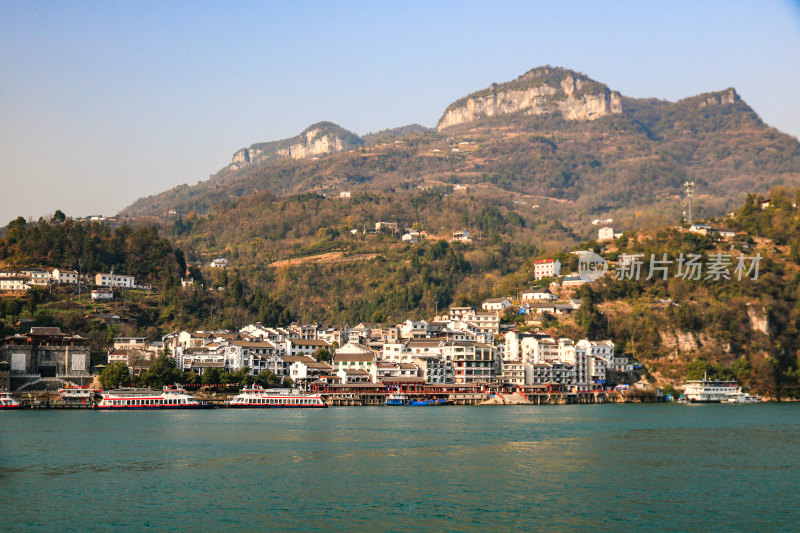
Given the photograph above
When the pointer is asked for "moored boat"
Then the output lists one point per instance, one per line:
(425, 402)
(742, 397)
(259, 397)
(7, 402)
(396, 399)
(710, 391)
(77, 394)
(170, 397)
(403, 399)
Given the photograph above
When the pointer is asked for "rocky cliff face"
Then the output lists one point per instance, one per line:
(540, 91)
(726, 97)
(320, 139)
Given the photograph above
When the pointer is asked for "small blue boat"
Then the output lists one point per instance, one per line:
(431, 402)
(402, 399)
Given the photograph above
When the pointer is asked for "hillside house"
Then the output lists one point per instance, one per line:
(219, 262)
(546, 268)
(538, 296)
(496, 304)
(114, 280)
(64, 276)
(462, 236)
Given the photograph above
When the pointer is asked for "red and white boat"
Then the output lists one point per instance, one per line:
(171, 397)
(256, 397)
(7, 402)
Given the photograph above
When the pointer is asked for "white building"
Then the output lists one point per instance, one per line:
(496, 304)
(14, 283)
(37, 277)
(605, 234)
(546, 268)
(484, 321)
(114, 280)
(345, 362)
(219, 262)
(411, 329)
(256, 355)
(304, 346)
(542, 373)
(513, 372)
(64, 276)
(539, 295)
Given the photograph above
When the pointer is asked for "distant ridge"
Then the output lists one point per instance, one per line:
(551, 133)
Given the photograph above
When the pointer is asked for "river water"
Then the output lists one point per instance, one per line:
(555, 468)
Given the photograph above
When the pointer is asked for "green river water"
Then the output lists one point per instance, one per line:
(534, 468)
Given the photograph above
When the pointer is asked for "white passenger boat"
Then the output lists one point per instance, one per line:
(710, 391)
(256, 396)
(77, 394)
(170, 397)
(742, 397)
(7, 402)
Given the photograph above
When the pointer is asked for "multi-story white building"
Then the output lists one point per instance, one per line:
(37, 277)
(304, 346)
(62, 275)
(471, 361)
(601, 357)
(355, 361)
(546, 268)
(14, 283)
(412, 329)
(256, 355)
(542, 373)
(605, 234)
(513, 372)
(484, 321)
(114, 280)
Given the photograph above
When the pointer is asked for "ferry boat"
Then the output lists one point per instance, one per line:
(77, 394)
(710, 391)
(257, 396)
(171, 397)
(7, 402)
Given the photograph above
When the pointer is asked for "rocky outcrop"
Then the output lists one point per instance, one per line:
(320, 139)
(726, 97)
(315, 142)
(759, 320)
(540, 91)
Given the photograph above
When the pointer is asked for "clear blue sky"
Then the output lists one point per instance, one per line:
(104, 102)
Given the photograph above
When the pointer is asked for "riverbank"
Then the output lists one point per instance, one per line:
(52, 400)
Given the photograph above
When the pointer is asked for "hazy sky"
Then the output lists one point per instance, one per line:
(104, 102)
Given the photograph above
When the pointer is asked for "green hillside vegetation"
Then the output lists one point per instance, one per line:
(301, 262)
(91, 247)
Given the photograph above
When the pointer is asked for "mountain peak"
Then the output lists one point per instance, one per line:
(318, 139)
(542, 90)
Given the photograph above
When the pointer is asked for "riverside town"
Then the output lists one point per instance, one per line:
(244, 244)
